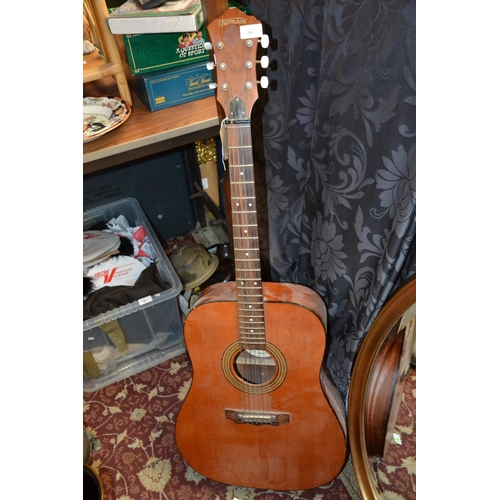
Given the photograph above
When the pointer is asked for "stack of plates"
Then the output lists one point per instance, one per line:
(103, 114)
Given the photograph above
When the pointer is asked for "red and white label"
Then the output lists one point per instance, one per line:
(116, 271)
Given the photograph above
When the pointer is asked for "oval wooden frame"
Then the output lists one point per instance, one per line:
(391, 312)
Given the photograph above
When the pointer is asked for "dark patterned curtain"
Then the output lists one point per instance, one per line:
(335, 149)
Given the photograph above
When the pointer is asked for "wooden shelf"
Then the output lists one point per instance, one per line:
(147, 132)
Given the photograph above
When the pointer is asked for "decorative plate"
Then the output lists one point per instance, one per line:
(103, 114)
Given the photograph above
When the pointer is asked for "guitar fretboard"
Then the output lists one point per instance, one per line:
(245, 235)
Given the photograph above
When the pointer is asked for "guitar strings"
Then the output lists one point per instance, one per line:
(233, 161)
(252, 356)
(258, 372)
(247, 190)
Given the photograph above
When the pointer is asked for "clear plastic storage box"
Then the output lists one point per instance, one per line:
(151, 326)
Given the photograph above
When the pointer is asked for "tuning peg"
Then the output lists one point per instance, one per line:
(212, 86)
(210, 66)
(264, 82)
(264, 62)
(264, 41)
(208, 46)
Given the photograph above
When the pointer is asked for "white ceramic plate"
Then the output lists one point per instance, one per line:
(103, 114)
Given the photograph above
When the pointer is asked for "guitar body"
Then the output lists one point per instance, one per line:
(307, 448)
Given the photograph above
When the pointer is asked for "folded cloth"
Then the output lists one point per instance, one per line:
(110, 297)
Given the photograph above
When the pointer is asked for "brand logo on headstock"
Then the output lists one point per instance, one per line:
(232, 20)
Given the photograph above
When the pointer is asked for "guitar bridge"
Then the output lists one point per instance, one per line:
(258, 418)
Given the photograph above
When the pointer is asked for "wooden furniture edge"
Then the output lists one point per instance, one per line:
(155, 143)
(391, 312)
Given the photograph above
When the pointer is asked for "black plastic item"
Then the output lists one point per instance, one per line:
(225, 269)
(151, 4)
(91, 484)
(163, 185)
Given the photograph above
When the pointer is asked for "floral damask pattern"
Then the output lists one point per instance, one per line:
(134, 420)
(338, 152)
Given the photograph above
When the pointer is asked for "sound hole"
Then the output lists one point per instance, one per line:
(254, 371)
(254, 366)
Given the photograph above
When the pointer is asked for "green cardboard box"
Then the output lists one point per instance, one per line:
(169, 87)
(159, 51)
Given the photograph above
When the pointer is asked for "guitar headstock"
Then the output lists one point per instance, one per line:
(234, 38)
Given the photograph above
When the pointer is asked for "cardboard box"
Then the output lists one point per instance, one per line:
(163, 89)
(210, 180)
(171, 17)
(159, 51)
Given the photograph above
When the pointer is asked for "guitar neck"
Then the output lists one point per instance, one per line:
(245, 235)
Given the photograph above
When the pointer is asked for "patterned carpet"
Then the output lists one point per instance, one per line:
(134, 421)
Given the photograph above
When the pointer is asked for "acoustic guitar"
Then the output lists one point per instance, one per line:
(261, 411)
